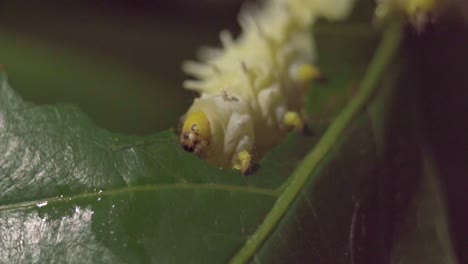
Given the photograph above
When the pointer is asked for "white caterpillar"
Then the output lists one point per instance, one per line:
(252, 90)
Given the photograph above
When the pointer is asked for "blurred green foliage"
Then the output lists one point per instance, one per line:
(119, 61)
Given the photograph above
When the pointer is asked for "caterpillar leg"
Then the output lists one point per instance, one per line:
(293, 120)
(242, 161)
(305, 73)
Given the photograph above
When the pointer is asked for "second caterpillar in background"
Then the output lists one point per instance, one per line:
(252, 91)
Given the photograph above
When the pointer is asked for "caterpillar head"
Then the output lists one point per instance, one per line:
(196, 132)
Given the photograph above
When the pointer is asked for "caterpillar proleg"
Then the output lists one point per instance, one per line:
(252, 90)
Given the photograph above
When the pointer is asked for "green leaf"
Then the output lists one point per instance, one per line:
(65, 181)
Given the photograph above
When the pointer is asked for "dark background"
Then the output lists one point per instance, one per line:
(118, 60)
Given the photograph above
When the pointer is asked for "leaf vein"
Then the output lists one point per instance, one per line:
(146, 188)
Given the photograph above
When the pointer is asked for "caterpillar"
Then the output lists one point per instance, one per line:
(252, 89)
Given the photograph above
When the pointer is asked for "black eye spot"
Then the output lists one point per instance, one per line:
(194, 128)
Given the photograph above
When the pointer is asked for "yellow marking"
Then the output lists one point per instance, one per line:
(197, 123)
(294, 120)
(413, 7)
(243, 161)
(307, 73)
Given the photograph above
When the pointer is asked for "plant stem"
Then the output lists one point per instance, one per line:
(387, 49)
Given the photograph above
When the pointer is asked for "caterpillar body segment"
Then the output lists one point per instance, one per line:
(418, 12)
(252, 91)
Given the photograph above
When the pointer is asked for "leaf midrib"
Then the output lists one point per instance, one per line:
(141, 188)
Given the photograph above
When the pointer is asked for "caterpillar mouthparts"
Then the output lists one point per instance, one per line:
(196, 133)
(266, 72)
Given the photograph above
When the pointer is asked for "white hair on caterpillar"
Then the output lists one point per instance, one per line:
(267, 70)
